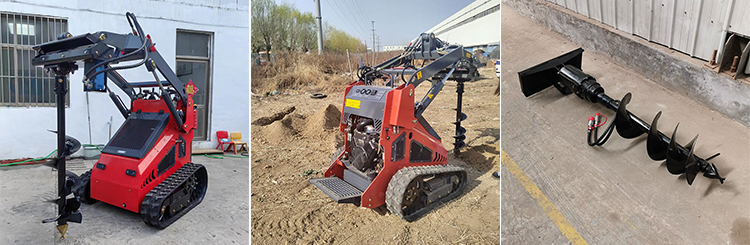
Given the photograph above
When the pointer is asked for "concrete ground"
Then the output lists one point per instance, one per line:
(613, 194)
(220, 219)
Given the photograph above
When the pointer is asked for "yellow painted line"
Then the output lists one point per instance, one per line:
(631, 225)
(542, 200)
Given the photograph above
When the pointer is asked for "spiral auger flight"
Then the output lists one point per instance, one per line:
(564, 73)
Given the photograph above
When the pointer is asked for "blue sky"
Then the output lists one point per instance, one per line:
(396, 22)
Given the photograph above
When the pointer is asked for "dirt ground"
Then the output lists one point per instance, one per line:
(285, 146)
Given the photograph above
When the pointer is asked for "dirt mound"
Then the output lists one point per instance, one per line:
(482, 157)
(323, 121)
(295, 121)
(263, 121)
(278, 132)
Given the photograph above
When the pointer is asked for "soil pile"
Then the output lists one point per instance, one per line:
(278, 132)
(326, 118)
(295, 121)
(323, 126)
(263, 121)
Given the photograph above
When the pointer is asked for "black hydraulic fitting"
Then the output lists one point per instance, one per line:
(581, 83)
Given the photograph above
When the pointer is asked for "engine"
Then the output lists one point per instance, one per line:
(364, 139)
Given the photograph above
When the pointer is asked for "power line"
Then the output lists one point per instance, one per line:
(350, 14)
(340, 15)
(343, 18)
(362, 12)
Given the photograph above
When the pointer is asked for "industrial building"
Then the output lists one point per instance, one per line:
(475, 26)
(200, 40)
(693, 27)
(393, 48)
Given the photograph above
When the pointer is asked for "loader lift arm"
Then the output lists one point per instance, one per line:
(447, 62)
(100, 50)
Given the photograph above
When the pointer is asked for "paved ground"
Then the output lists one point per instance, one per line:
(220, 219)
(613, 194)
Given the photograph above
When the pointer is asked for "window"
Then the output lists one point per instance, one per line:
(22, 84)
(194, 64)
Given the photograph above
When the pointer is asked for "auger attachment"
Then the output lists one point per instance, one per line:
(460, 116)
(564, 73)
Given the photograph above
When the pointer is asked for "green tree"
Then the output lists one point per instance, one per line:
(284, 28)
(338, 41)
(261, 36)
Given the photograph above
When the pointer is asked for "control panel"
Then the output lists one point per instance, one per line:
(369, 93)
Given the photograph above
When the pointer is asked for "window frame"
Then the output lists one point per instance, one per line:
(37, 76)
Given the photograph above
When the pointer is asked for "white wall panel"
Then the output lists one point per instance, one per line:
(595, 10)
(608, 8)
(642, 18)
(682, 34)
(583, 7)
(693, 27)
(711, 20)
(624, 10)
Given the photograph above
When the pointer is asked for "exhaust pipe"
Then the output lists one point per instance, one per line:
(564, 73)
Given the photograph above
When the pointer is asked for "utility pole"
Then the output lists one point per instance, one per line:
(320, 28)
(377, 47)
(373, 43)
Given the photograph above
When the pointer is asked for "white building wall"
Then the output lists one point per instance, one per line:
(694, 27)
(23, 131)
(480, 32)
(393, 48)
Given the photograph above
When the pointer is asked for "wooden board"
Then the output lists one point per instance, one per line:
(206, 151)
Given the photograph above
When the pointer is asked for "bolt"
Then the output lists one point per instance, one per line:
(734, 64)
(713, 58)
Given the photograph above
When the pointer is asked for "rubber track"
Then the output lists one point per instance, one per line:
(152, 203)
(397, 186)
(80, 189)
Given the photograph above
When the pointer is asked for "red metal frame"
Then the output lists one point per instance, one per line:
(113, 186)
(398, 118)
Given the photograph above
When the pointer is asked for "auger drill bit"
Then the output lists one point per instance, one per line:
(564, 73)
(72, 145)
(460, 116)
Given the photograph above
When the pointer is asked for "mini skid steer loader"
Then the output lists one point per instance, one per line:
(391, 155)
(146, 167)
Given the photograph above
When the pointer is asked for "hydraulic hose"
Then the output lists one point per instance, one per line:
(129, 16)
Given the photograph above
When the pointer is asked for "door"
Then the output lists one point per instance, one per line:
(197, 71)
(194, 64)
